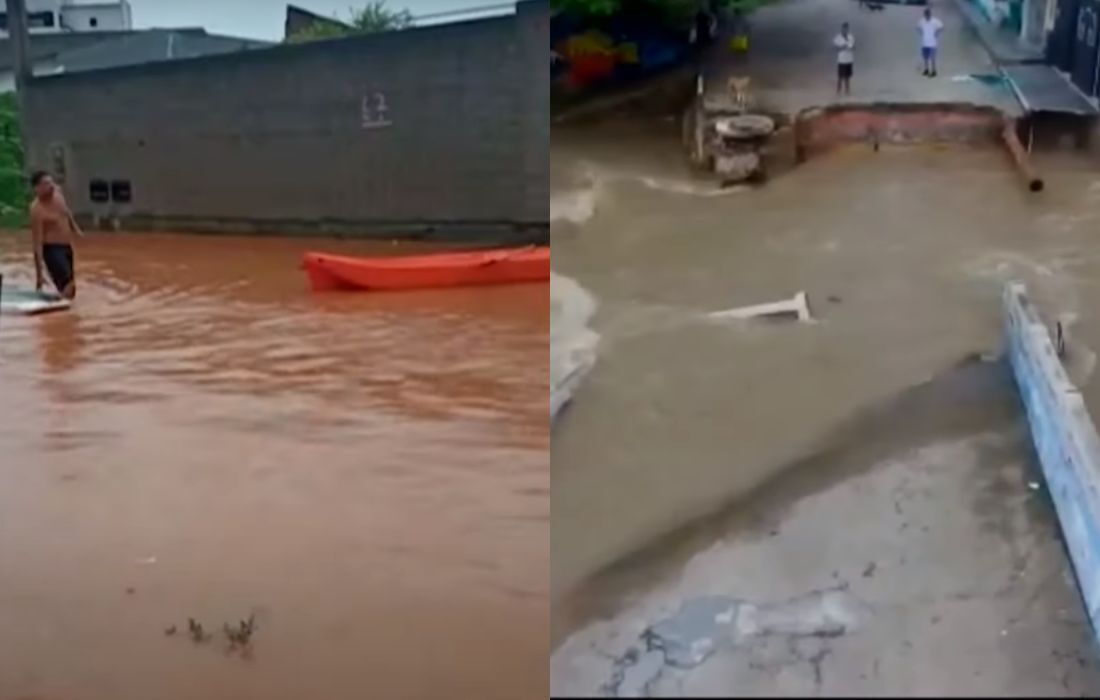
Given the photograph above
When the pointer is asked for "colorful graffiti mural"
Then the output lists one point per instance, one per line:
(587, 52)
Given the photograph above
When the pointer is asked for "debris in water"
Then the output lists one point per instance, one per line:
(130, 590)
(170, 631)
(869, 571)
(744, 126)
(147, 560)
(797, 306)
(198, 634)
(240, 637)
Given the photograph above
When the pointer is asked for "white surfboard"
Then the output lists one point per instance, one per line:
(23, 302)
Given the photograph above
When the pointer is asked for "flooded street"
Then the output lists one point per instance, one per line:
(202, 437)
(903, 254)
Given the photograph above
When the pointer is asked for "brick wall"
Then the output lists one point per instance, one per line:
(409, 131)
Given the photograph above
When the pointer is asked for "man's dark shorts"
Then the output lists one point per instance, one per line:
(844, 71)
(58, 258)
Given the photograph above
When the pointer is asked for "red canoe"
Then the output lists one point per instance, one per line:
(502, 266)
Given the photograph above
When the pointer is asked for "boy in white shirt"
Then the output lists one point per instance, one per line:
(845, 44)
(929, 28)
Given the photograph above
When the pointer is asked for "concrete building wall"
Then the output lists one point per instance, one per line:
(447, 125)
(99, 17)
(59, 16)
(534, 23)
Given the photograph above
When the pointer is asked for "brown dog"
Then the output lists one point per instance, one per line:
(738, 87)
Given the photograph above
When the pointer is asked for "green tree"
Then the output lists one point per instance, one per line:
(375, 17)
(378, 17)
(14, 190)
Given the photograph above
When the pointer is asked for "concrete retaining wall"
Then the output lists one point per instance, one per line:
(416, 130)
(820, 128)
(1064, 436)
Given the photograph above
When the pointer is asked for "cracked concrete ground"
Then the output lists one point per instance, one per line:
(937, 572)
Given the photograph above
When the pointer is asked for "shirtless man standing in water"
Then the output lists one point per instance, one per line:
(53, 229)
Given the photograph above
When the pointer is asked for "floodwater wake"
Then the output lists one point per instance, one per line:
(572, 342)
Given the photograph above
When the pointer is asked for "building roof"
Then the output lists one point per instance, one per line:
(149, 46)
(91, 50)
(45, 46)
(298, 18)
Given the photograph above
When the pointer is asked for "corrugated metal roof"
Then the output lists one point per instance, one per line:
(150, 46)
(90, 50)
(1040, 88)
(45, 46)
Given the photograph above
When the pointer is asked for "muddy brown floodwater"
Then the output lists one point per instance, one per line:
(904, 254)
(202, 437)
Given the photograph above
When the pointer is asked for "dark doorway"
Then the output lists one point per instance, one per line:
(1084, 48)
(1062, 39)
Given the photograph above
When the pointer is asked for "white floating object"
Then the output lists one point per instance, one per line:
(797, 306)
(21, 302)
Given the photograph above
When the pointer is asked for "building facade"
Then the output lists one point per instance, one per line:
(1072, 44)
(58, 16)
(421, 132)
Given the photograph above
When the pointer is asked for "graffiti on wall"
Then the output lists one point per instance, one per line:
(585, 53)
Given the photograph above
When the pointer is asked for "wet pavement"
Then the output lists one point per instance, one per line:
(201, 437)
(935, 572)
(685, 427)
(792, 61)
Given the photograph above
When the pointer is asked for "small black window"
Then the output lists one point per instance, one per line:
(99, 191)
(4, 21)
(120, 191)
(93, 22)
(40, 19)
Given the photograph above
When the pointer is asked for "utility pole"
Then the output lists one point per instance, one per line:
(20, 48)
(20, 44)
